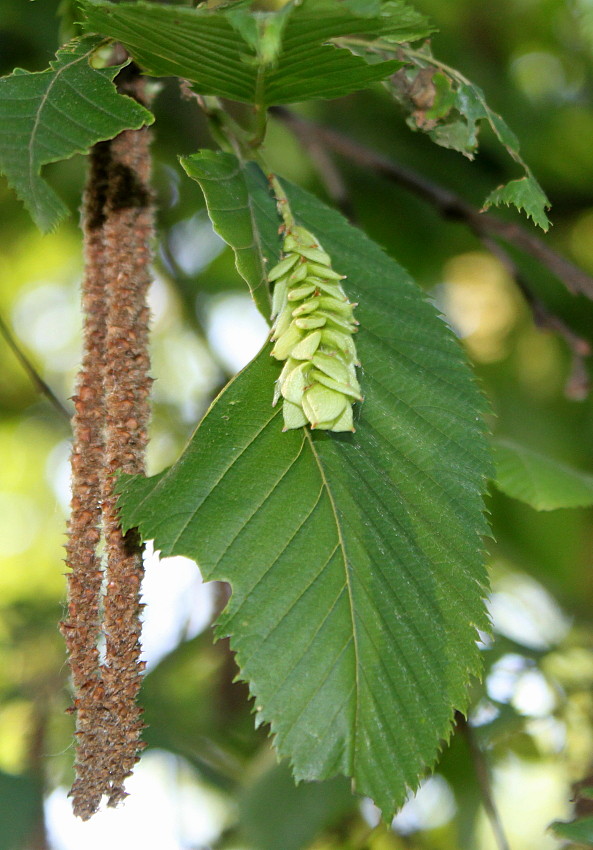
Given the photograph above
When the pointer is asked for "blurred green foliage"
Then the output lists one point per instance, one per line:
(533, 715)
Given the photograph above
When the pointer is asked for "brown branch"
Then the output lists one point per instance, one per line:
(483, 778)
(36, 379)
(577, 386)
(448, 203)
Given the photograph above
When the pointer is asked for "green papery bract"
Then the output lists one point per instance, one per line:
(322, 404)
(339, 386)
(284, 266)
(280, 296)
(332, 366)
(308, 307)
(331, 287)
(334, 339)
(282, 323)
(298, 274)
(324, 272)
(316, 255)
(286, 342)
(344, 308)
(307, 323)
(301, 292)
(307, 347)
(295, 383)
(339, 322)
(294, 416)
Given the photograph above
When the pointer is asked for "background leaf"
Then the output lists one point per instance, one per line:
(540, 481)
(175, 40)
(51, 115)
(355, 560)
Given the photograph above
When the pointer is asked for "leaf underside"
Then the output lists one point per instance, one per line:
(355, 560)
(232, 211)
(540, 481)
(207, 48)
(51, 115)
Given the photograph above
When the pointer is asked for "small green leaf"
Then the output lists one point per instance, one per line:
(51, 115)
(221, 51)
(540, 481)
(525, 194)
(355, 559)
(232, 213)
(580, 831)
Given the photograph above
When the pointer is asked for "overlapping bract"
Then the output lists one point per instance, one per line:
(314, 323)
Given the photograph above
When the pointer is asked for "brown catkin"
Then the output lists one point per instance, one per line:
(128, 235)
(110, 435)
(82, 627)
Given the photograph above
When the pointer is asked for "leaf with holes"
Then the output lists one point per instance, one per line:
(441, 102)
(355, 559)
(51, 115)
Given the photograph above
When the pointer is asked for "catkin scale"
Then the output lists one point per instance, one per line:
(312, 331)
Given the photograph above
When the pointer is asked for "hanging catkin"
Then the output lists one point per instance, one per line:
(112, 411)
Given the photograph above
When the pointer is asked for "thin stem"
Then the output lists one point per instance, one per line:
(483, 778)
(282, 202)
(31, 371)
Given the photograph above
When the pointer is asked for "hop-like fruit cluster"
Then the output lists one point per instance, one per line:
(314, 323)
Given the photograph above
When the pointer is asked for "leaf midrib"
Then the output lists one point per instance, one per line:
(342, 546)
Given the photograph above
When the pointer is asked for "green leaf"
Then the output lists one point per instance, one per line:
(51, 115)
(218, 51)
(580, 831)
(541, 482)
(233, 215)
(525, 194)
(355, 560)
